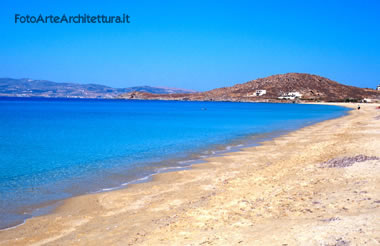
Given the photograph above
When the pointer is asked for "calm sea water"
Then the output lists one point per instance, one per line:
(51, 149)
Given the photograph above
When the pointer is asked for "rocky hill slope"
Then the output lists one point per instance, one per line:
(311, 87)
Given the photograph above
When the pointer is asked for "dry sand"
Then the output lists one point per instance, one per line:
(319, 185)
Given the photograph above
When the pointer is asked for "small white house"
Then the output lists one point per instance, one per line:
(367, 100)
(295, 94)
(291, 95)
(378, 88)
(260, 92)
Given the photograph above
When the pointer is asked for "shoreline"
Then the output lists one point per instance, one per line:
(95, 207)
(48, 207)
(194, 158)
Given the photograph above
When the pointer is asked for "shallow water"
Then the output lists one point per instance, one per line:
(51, 149)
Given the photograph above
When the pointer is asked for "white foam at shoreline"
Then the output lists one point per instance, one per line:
(12, 227)
(175, 168)
(184, 164)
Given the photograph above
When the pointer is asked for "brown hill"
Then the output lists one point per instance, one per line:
(312, 87)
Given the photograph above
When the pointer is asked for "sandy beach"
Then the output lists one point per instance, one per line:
(319, 185)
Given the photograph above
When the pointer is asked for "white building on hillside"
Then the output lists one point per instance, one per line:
(378, 88)
(258, 93)
(290, 95)
(366, 100)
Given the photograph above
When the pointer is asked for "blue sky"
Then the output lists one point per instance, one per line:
(193, 44)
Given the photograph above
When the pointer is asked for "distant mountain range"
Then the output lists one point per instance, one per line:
(44, 88)
(273, 88)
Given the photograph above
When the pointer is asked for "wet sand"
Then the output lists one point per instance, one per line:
(319, 185)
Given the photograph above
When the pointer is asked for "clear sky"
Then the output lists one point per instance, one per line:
(193, 44)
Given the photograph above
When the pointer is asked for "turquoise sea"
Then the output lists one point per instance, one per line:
(52, 149)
